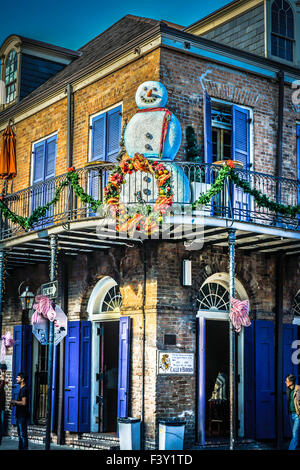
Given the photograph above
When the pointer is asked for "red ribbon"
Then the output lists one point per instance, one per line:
(239, 314)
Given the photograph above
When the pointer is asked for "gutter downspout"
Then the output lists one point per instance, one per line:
(70, 109)
(143, 352)
(280, 77)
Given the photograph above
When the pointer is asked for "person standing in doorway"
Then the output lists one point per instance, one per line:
(293, 405)
(3, 382)
(21, 405)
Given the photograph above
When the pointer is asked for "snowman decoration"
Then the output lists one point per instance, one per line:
(154, 132)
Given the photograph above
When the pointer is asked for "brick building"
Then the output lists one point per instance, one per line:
(127, 301)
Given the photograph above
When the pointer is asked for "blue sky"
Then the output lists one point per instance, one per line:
(72, 23)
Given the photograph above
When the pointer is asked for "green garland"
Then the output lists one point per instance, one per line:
(72, 179)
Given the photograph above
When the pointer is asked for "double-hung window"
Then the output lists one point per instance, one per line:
(227, 137)
(282, 36)
(104, 143)
(11, 67)
(44, 169)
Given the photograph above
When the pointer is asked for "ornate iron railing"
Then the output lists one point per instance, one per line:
(189, 180)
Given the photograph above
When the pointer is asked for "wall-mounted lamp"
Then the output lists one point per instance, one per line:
(187, 272)
(26, 298)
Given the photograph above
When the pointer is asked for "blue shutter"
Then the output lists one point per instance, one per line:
(249, 382)
(208, 148)
(290, 334)
(241, 153)
(85, 377)
(98, 147)
(50, 160)
(240, 136)
(16, 366)
(72, 348)
(54, 384)
(38, 174)
(22, 361)
(265, 380)
(113, 134)
(123, 373)
(38, 162)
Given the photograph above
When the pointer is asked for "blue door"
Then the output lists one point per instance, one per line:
(249, 381)
(265, 379)
(241, 153)
(22, 362)
(78, 376)
(290, 334)
(124, 360)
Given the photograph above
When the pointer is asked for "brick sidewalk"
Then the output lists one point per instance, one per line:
(12, 444)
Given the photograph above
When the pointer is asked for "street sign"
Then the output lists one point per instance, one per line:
(50, 289)
(41, 329)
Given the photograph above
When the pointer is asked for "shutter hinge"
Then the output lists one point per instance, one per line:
(99, 377)
(100, 331)
(99, 400)
(249, 120)
(238, 378)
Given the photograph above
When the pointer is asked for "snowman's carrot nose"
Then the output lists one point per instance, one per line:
(149, 92)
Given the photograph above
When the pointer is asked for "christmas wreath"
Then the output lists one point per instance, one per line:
(144, 218)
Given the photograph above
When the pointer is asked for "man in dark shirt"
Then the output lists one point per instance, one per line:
(3, 382)
(21, 405)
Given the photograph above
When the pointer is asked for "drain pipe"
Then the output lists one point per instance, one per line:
(143, 352)
(70, 108)
(69, 91)
(280, 77)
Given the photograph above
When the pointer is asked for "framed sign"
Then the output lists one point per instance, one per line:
(170, 363)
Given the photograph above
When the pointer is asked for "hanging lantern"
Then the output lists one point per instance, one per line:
(27, 299)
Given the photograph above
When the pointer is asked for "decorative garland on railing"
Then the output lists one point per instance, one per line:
(146, 217)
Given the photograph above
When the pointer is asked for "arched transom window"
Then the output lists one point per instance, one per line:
(112, 302)
(213, 296)
(282, 38)
(11, 76)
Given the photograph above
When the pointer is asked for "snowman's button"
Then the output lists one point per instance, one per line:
(149, 136)
(148, 147)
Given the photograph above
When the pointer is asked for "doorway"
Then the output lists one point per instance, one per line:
(107, 377)
(40, 381)
(216, 379)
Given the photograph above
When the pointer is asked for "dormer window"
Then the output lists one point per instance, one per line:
(11, 76)
(282, 37)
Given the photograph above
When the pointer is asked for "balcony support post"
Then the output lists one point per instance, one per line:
(53, 275)
(232, 341)
(279, 348)
(2, 262)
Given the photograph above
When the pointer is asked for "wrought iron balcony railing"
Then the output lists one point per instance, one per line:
(189, 180)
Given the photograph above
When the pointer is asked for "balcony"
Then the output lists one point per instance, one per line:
(230, 208)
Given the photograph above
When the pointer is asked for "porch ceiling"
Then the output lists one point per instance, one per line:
(81, 237)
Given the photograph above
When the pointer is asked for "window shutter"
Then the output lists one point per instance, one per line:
(265, 380)
(22, 361)
(240, 136)
(207, 128)
(50, 159)
(85, 377)
(72, 348)
(98, 138)
(38, 162)
(290, 334)
(124, 359)
(249, 382)
(113, 134)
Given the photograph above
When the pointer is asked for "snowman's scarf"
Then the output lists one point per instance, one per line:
(165, 125)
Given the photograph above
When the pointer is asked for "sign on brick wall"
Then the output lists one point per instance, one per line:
(175, 363)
